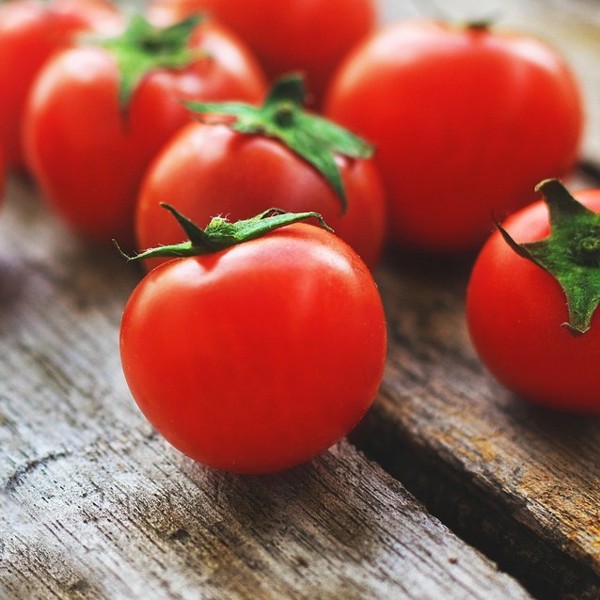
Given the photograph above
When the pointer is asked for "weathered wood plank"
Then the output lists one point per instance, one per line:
(519, 481)
(93, 504)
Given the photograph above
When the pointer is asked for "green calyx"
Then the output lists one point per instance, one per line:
(220, 233)
(481, 24)
(571, 253)
(143, 48)
(283, 117)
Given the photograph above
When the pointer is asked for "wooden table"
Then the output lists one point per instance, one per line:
(504, 498)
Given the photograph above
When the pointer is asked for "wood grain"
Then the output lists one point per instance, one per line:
(521, 482)
(93, 504)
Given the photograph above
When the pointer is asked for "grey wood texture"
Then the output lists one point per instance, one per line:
(520, 482)
(94, 504)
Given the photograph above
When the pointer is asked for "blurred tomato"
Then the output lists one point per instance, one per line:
(30, 32)
(310, 36)
(89, 152)
(465, 120)
(209, 170)
(516, 311)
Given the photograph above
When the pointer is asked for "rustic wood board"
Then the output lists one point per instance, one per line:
(94, 504)
(520, 482)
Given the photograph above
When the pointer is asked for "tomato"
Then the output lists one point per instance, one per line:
(30, 32)
(515, 310)
(209, 170)
(466, 121)
(311, 36)
(89, 152)
(260, 356)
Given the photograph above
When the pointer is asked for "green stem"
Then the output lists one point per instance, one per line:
(283, 117)
(220, 233)
(571, 253)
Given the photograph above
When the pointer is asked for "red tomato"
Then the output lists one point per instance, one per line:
(30, 32)
(210, 170)
(89, 157)
(466, 121)
(311, 36)
(515, 310)
(258, 357)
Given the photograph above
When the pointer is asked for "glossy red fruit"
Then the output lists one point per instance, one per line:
(311, 36)
(258, 357)
(466, 121)
(31, 32)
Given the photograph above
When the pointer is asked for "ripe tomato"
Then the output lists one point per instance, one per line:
(89, 153)
(30, 32)
(449, 109)
(515, 310)
(311, 36)
(258, 357)
(209, 170)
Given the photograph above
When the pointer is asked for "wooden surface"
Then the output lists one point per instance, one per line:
(93, 504)
(521, 482)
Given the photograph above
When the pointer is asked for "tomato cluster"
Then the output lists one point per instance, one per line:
(263, 341)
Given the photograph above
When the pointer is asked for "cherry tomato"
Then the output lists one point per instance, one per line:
(515, 310)
(258, 357)
(209, 170)
(449, 109)
(30, 32)
(311, 36)
(89, 153)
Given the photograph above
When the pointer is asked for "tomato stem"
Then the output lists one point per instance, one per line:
(144, 47)
(480, 25)
(283, 117)
(221, 233)
(571, 253)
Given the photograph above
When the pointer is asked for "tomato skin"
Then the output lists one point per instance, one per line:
(460, 126)
(515, 310)
(259, 357)
(88, 157)
(210, 170)
(30, 32)
(311, 36)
